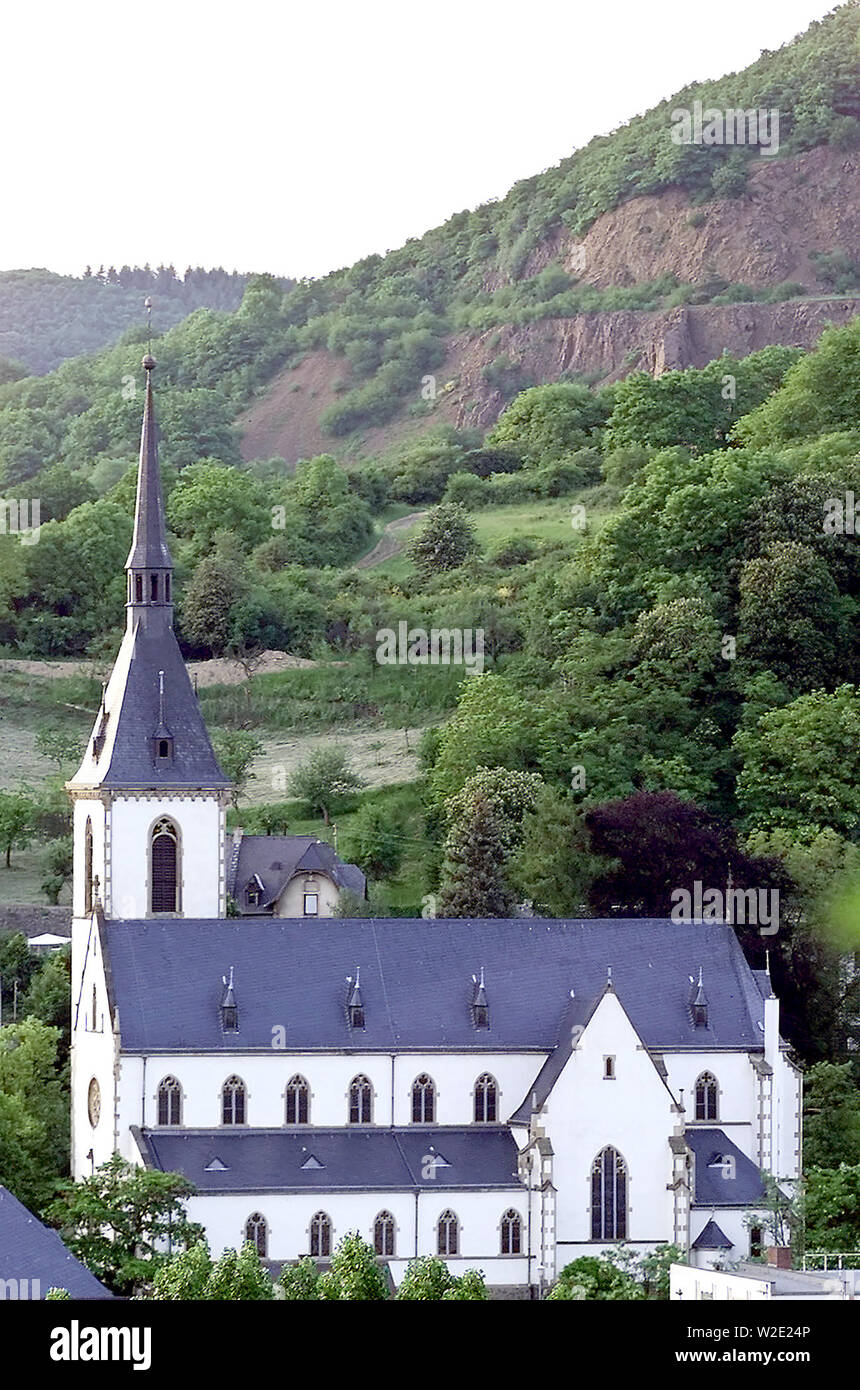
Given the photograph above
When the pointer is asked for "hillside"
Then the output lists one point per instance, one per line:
(47, 318)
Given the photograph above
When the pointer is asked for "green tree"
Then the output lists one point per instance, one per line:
(354, 1273)
(376, 844)
(801, 764)
(820, 394)
(300, 1281)
(34, 1133)
(58, 744)
(473, 882)
(831, 1110)
(192, 1275)
(209, 600)
(236, 750)
(325, 781)
(118, 1221)
(445, 541)
(428, 1279)
(210, 498)
(792, 620)
(59, 863)
(832, 1208)
(17, 822)
(595, 1277)
(547, 422)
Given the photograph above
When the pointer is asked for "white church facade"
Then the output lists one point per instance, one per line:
(506, 1094)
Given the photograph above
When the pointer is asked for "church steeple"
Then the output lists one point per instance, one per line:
(149, 565)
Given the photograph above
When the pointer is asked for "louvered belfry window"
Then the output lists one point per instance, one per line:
(164, 867)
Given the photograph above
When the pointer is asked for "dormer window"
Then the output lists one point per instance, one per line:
(164, 748)
(355, 1003)
(229, 1008)
(480, 1006)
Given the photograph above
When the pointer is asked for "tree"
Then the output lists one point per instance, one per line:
(354, 1273)
(58, 744)
(659, 843)
(473, 882)
(831, 1109)
(792, 619)
(236, 750)
(216, 587)
(547, 422)
(59, 863)
(376, 843)
(48, 997)
(300, 1281)
(428, 1279)
(325, 781)
(832, 1208)
(192, 1275)
(209, 498)
(118, 1220)
(553, 867)
(445, 541)
(595, 1277)
(17, 822)
(820, 393)
(34, 1116)
(801, 764)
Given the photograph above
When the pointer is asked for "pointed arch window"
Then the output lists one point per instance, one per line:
(448, 1234)
(257, 1232)
(707, 1093)
(164, 867)
(360, 1101)
(88, 867)
(511, 1233)
(233, 1099)
(486, 1099)
(298, 1094)
(321, 1234)
(170, 1102)
(609, 1196)
(423, 1100)
(383, 1234)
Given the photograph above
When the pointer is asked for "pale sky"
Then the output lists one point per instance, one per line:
(297, 138)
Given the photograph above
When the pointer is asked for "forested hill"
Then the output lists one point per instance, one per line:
(47, 318)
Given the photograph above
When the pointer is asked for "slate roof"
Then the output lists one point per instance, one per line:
(275, 859)
(149, 549)
(335, 1160)
(712, 1188)
(711, 1238)
(29, 1250)
(416, 981)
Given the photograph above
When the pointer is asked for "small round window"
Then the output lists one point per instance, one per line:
(94, 1102)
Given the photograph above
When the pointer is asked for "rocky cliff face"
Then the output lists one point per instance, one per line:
(793, 209)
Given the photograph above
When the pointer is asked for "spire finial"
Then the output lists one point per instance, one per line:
(147, 304)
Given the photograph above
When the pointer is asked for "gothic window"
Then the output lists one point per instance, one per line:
(170, 1102)
(321, 1234)
(512, 1233)
(756, 1237)
(448, 1233)
(423, 1100)
(164, 867)
(257, 1233)
(138, 588)
(383, 1234)
(486, 1093)
(360, 1101)
(706, 1097)
(609, 1196)
(297, 1101)
(233, 1101)
(88, 867)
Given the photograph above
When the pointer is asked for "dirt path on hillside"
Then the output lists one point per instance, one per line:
(219, 671)
(388, 543)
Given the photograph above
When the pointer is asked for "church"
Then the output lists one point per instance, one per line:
(505, 1094)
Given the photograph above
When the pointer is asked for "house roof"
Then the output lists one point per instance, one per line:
(335, 1160)
(275, 859)
(711, 1238)
(716, 1183)
(31, 1251)
(416, 981)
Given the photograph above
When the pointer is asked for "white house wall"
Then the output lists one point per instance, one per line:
(200, 821)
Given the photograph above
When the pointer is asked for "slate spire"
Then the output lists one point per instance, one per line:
(149, 564)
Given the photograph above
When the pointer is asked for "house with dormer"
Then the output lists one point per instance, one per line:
(288, 876)
(506, 1094)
